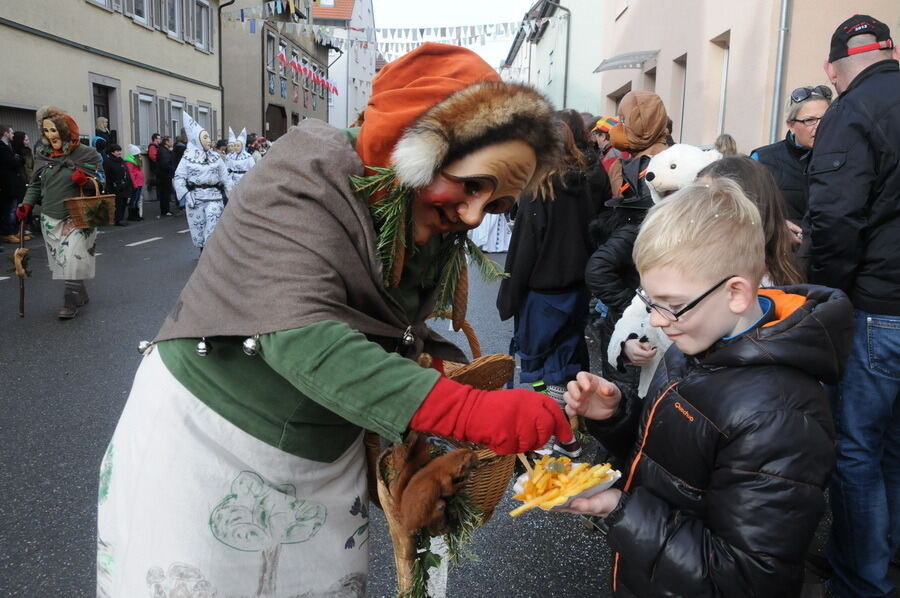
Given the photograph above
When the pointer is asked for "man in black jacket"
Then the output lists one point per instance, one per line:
(854, 223)
(165, 170)
(12, 184)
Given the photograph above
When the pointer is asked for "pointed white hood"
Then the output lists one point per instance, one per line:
(195, 151)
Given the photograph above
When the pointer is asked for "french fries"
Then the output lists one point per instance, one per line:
(555, 480)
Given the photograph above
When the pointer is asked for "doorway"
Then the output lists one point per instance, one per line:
(276, 122)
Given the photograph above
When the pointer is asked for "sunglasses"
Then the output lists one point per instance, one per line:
(673, 316)
(801, 94)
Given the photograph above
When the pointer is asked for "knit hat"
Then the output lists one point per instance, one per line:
(858, 25)
(441, 102)
(605, 123)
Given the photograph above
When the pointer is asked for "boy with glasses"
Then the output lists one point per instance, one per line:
(734, 444)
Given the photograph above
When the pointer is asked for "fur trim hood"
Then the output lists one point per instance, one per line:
(479, 115)
(440, 102)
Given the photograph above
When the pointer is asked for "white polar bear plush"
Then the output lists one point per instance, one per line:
(676, 167)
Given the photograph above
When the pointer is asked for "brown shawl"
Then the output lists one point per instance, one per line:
(294, 247)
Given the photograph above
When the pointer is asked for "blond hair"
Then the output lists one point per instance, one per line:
(706, 230)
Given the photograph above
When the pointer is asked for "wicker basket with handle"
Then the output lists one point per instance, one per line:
(488, 483)
(91, 211)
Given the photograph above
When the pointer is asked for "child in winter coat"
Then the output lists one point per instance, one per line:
(734, 446)
(135, 167)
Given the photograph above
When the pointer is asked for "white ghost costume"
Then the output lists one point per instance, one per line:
(201, 181)
(238, 162)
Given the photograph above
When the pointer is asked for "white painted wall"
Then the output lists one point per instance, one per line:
(354, 70)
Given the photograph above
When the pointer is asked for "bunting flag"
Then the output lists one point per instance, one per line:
(391, 42)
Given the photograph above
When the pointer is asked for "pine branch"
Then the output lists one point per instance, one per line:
(490, 270)
(466, 518)
(455, 261)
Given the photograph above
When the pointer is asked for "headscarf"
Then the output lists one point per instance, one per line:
(67, 127)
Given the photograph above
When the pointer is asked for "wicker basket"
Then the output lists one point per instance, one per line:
(91, 211)
(488, 483)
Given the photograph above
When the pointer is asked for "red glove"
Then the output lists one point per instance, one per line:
(506, 421)
(23, 210)
(79, 178)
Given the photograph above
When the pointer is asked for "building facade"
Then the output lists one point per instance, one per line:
(353, 68)
(262, 91)
(715, 64)
(139, 63)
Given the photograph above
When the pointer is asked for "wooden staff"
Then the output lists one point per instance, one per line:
(20, 267)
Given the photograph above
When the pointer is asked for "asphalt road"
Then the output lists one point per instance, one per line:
(63, 385)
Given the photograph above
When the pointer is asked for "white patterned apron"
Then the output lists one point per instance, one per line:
(70, 251)
(192, 507)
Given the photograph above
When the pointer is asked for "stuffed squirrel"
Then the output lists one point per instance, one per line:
(422, 484)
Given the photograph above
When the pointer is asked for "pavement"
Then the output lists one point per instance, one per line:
(66, 382)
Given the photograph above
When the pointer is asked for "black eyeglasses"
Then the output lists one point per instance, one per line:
(801, 94)
(807, 121)
(673, 316)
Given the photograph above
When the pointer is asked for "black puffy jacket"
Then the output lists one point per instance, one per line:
(854, 192)
(610, 273)
(726, 485)
(787, 162)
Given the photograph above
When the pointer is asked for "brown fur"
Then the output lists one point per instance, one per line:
(479, 115)
(423, 501)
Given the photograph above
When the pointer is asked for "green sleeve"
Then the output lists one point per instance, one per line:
(343, 371)
(33, 192)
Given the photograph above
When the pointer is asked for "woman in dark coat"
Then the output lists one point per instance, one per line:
(545, 291)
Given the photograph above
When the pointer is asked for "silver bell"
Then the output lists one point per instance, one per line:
(251, 345)
(143, 346)
(203, 348)
(408, 337)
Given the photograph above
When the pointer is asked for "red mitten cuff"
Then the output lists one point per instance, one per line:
(79, 178)
(506, 421)
(23, 210)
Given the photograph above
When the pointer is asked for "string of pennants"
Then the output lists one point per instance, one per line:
(304, 71)
(390, 41)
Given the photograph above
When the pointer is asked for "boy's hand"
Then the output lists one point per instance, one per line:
(600, 504)
(592, 396)
(639, 353)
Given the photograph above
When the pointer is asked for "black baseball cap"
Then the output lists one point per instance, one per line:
(857, 25)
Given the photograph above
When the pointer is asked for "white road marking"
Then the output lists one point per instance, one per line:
(5, 277)
(97, 254)
(150, 240)
(181, 232)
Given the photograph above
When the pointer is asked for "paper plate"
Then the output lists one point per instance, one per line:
(600, 486)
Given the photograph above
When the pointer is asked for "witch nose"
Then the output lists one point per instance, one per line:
(471, 213)
(649, 176)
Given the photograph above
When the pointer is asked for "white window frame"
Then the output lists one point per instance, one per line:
(169, 29)
(177, 123)
(145, 6)
(271, 52)
(202, 17)
(107, 4)
(205, 112)
(150, 100)
(321, 86)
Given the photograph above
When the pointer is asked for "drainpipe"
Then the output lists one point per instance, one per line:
(779, 72)
(221, 52)
(568, 36)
